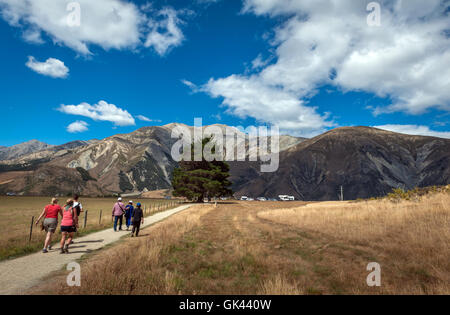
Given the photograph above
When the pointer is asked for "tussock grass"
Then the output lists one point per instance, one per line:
(410, 239)
(279, 285)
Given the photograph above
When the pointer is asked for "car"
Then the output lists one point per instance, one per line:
(250, 199)
(244, 198)
(261, 199)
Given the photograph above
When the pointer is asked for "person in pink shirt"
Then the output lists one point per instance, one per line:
(69, 223)
(117, 214)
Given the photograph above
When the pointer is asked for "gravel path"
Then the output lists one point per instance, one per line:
(18, 275)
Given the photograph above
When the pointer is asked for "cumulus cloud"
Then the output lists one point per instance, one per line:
(165, 33)
(77, 126)
(110, 24)
(328, 42)
(251, 97)
(51, 67)
(102, 111)
(415, 130)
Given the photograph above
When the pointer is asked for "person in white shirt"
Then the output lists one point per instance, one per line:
(78, 207)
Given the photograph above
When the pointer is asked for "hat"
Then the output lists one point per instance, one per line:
(138, 204)
(131, 201)
(120, 199)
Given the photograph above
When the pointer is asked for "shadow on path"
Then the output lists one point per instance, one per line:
(86, 242)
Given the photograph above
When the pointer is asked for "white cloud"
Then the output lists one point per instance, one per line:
(144, 118)
(101, 111)
(51, 67)
(415, 130)
(172, 36)
(110, 24)
(251, 97)
(192, 86)
(77, 126)
(188, 84)
(259, 63)
(328, 42)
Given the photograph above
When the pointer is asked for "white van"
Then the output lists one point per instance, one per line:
(286, 198)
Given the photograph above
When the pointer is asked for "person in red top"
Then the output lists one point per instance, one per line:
(50, 215)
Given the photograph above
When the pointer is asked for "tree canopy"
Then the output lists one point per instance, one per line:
(197, 180)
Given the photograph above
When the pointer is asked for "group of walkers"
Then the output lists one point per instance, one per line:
(133, 216)
(69, 223)
(70, 213)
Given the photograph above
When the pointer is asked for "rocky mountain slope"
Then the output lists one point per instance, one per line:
(137, 162)
(365, 161)
(8, 153)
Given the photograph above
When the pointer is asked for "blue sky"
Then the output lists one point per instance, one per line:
(230, 62)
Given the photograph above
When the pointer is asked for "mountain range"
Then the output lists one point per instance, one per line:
(365, 161)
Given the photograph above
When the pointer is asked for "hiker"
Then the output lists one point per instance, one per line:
(78, 207)
(138, 219)
(77, 204)
(129, 209)
(117, 213)
(69, 224)
(50, 214)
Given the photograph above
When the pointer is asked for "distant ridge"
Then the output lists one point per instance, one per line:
(365, 161)
(15, 151)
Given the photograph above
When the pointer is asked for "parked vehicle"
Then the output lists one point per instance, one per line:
(286, 198)
(244, 198)
(261, 199)
(250, 199)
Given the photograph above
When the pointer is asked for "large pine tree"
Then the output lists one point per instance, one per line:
(197, 180)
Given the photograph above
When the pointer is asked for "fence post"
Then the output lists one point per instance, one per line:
(85, 218)
(31, 229)
(100, 218)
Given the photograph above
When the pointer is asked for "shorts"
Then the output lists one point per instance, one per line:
(68, 229)
(50, 225)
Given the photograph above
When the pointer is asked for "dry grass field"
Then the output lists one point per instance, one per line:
(280, 248)
(409, 239)
(16, 214)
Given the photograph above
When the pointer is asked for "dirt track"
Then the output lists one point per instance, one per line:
(18, 275)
